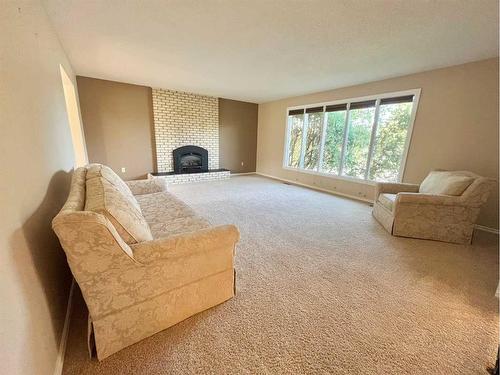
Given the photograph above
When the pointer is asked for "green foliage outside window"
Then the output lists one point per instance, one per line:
(334, 138)
(313, 140)
(295, 143)
(390, 141)
(388, 148)
(358, 141)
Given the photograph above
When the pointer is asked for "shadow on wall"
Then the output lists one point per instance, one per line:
(42, 269)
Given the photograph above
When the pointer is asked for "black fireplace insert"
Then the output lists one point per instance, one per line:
(190, 159)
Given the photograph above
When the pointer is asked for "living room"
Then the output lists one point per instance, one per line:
(249, 187)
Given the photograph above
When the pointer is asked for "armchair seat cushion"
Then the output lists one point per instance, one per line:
(387, 200)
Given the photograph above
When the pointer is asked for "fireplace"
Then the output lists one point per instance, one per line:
(190, 159)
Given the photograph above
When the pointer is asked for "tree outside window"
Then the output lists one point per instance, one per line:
(356, 139)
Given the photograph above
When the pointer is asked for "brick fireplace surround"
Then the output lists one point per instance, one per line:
(182, 119)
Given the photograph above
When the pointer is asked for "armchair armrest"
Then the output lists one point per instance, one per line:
(430, 199)
(394, 188)
(185, 244)
(140, 187)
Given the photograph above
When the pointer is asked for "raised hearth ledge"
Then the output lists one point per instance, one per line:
(184, 178)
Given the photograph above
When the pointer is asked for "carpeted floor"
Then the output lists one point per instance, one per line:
(322, 289)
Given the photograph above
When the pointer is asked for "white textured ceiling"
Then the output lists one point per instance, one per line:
(261, 50)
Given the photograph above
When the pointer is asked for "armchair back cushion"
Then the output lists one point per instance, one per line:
(106, 199)
(446, 183)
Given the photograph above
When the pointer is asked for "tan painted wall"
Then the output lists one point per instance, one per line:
(37, 156)
(119, 128)
(456, 128)
(118, 124)
(237, 135)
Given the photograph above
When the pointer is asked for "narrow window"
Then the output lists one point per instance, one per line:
(334, 137)
(361, 116)
(296, 126)
(390, 139)
(313, 137)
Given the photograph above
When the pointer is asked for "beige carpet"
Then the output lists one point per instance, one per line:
(322, 289)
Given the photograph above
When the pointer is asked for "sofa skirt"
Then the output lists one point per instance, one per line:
(116, 331)
(460, 233)
(414, 222)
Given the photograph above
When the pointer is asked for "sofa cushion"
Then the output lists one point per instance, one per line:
(387, 200)
(167, 215)
(179, 226)
(103, 171)
(446, 183)
(105, 198)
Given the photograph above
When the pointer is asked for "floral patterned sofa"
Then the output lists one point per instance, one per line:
(444, 207)
(143, 259)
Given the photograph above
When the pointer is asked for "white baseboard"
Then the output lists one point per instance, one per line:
(242, 174)
(486, 229)
(333, 192)
(65, 331)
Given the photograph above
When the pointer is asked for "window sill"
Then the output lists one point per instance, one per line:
(332, 176)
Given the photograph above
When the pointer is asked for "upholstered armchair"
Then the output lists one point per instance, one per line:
(444, 207)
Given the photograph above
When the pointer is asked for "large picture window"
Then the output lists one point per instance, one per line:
(361, 138)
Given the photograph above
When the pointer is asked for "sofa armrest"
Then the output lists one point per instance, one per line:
(160, 265)
(140, 187)
(185, 244)
(430, 199)
(394, 188)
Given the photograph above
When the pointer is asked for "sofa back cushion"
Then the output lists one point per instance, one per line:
(105, 198)
(446, 183)
(76, 196)
(103, 171)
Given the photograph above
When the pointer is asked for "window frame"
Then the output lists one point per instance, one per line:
(348, 101)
